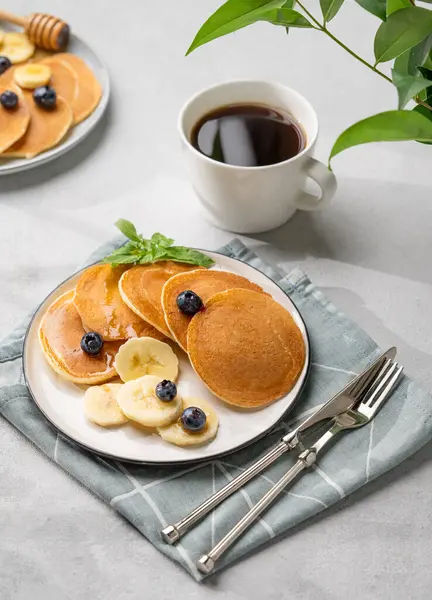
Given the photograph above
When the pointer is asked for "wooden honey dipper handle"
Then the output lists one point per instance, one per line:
(11, 18)
(43, 30)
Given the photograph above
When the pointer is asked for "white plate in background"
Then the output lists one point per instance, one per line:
(78, 132)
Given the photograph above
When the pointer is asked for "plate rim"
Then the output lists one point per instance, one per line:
(64, 147)
(186, 461)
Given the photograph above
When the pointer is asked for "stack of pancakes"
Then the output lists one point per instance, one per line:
(29, 130)
(245, 346)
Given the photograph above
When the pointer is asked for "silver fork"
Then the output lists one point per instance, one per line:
(362, 414)
(346, 398)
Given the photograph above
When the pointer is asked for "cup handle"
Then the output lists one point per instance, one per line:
(326, 180)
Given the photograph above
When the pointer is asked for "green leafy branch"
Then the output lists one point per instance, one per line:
(141, 251)
(404, 35)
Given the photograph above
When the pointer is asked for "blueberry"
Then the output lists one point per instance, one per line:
(5, 63)
(45, 96)
(166, 390)
(189, 302)
(91, 343)
(9, 99)
(193, 419)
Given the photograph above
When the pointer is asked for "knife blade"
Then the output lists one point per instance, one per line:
(341, 401)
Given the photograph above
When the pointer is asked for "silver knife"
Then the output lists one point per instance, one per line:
(340, 403)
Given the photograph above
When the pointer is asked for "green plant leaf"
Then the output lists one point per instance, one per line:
(413, 58)
(330, 8)
(231, 16)
(408, 86)
(422, 110)
(426, 72)
(426, 96)
(428, 61)
(161, 240)
(159, 247)
(403, 29)
(285, 16)
(128, 229)
(375, 7)
(394, 5)
(391, 126)
(289, 4)
(189, 256)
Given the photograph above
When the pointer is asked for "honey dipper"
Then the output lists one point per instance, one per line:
(43, 30)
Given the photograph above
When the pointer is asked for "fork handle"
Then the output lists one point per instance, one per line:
(207, 562)
(172, 533)
(305, 460)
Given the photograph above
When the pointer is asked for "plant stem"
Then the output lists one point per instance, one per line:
(342, 45)
(425, 104)
(324, 29)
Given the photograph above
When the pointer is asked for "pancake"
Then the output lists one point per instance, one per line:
(46, 128)
(60, 334)
(13, 123)
(63, 79)
(141, 289)
(203, 283)
(89, 89)
(246, 348)
(102, 309)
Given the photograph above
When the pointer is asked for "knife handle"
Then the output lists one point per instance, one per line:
(207, 562)
(172, 533)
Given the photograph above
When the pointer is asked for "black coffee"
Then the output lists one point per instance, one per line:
(248, 135)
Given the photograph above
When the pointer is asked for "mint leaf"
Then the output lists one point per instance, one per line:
(128, 250)
(140, 251)
(161, 240)
(128, 229)
(189, 256)
(145, 259)
(123, 260)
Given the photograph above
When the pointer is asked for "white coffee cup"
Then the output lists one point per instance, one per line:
(255, 199)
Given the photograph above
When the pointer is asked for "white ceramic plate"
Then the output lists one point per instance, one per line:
(62, 401)
(77, 133)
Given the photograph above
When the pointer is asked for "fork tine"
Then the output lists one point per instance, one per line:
(385, 381)
(388, 388)
(372, 382)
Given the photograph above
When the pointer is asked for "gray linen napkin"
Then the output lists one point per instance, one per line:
(152, 497)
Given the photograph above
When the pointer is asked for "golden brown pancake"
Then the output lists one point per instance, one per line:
(63, 79)
(89, 89)
(246, 348)
(141, 289)
(203, 283)
(46, 128)
(14, 122)
(102, 309)
(60, 334)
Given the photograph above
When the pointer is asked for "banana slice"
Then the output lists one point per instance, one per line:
(138, 401)
(175, 434)
(32, 76)
(146, 356)
(17, 47)
(101, 406)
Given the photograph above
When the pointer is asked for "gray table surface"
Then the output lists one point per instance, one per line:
(370, 252)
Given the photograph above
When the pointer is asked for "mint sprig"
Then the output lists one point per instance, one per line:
(140, 251)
